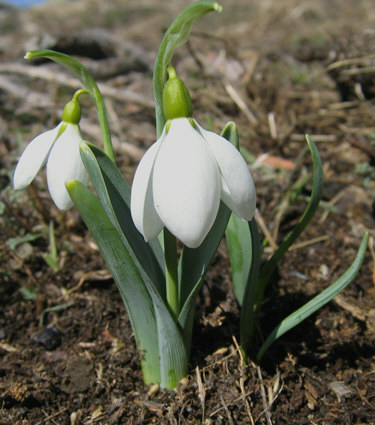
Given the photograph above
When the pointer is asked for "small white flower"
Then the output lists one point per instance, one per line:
(59, 148)
(181, 179)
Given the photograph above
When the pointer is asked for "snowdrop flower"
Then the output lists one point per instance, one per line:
(182, 178)
(59, 148)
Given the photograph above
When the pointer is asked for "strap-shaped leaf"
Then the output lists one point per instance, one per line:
(270, 265)
(195, 261)
(237, 235)
(192, 268)
(171, 355)
(247, 321)
(176, 35)
(114, 194)
(128, 279)
(318, 301)
(81, 72)
(238, 240)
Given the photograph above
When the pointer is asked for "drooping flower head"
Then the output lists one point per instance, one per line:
(59, 148)
(183, 176)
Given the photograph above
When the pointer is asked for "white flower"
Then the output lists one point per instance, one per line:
(181, 179)
(59, 148)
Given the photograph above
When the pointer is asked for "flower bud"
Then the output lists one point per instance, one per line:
(72, 112)
(176, 98)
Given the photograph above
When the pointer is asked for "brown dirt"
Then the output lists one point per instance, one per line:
(67, 351)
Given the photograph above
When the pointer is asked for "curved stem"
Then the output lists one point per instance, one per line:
(78, 93)
(81, 72)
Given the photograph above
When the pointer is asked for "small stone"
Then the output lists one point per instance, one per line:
(49, 338)
(73, 418)
(340, 389)
(24, 251)
(184, 381)
(154, 389)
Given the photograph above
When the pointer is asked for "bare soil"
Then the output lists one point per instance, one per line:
(279, 69)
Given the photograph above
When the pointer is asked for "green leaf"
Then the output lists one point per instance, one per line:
(28, 237)
(114, 194)
(318, 301)
(176, 35)
(165, 357)
(238, 235)
(89, 83)
(29, 292)
(247, 319)
(267, 270)
(238, 240)
(129, 281)
(193, 265)
(194, 262)
(51, 257)
(53, 309)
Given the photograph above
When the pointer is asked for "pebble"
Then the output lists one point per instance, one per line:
(49, 338)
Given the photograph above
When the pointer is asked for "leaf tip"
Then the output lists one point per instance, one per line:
(217, 7)
(29, 54)
(308, 138)
(83, 146)
(70, 184)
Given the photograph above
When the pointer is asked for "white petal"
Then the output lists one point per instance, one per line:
(33, 158)
(238, 190)
(142, 207)
(64, 162)
(186, 184)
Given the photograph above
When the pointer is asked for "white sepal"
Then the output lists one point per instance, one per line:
(142, 207)
(237, 186)
(33, 158)
(64, 162)
(186, 183)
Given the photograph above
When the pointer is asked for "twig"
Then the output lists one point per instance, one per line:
(231, 404)
(286, 200)
(226, 410)
(42, 210)
(201, 392)
(272, 125)
(92, 275)
(309, 242)
(330, 204)
(242, 381)
(314, 137)
(264, 397)
(357, 71)
(49, 417)
(352, 61)
(209, 366)
(356, 130)
(265, 230)
(53, 76)
(240, 103)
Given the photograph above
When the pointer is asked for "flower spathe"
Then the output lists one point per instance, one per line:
(182, 178)
(59, 149)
